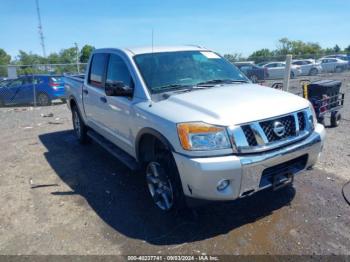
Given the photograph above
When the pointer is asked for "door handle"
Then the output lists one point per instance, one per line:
(103, 99)
(85, 91)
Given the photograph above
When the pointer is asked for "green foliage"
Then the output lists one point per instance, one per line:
(233, 57)
(347, 49)
(4, 60)
(336, 49)
(85, 53)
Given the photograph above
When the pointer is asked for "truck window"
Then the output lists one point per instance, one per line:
(118, 71)
(97, 70)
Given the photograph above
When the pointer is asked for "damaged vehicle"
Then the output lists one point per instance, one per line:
(193, 123)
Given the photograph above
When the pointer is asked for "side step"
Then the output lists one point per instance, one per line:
(118, 153)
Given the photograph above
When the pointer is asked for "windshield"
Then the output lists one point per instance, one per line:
(186, 68)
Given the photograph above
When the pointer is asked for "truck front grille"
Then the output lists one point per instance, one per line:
(248, 132)
(287, 121)
(301, 120)
(261, 135)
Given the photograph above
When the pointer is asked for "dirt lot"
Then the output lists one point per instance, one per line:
(58, 197)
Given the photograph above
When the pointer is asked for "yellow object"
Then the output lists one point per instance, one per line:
(184, 129)
(305, 89)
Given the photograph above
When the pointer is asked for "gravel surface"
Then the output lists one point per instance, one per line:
(58, 197)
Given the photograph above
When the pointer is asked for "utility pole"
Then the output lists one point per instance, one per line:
(40, 28)
(77, 57)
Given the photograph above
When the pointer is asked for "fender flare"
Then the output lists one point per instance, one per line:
(152, 132)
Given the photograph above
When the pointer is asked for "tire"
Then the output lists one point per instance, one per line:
(292, 75)
(2, 104)
(43, 99)
(338, 69)
(335, 119)
(80, 128)
(254, 78)
(313, 72)
(163, 181)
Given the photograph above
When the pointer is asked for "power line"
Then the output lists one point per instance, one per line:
(40, 29)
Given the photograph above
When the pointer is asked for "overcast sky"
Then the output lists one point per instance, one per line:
(232, 26)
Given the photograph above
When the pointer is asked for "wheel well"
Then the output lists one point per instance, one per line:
(149, 146)
(72, 103)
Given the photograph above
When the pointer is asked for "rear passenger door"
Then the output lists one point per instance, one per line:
(94, 92)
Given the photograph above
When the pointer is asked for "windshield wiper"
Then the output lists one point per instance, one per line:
(171, 87)
(220, 81)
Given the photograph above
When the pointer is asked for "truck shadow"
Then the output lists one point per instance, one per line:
(121, 200)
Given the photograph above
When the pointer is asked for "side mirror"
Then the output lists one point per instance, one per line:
(118, 88)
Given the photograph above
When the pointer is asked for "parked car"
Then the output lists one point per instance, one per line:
(333, 65)
(20, 91)
(341, 57)
(252, 71)
(308, 66)
(276, 70)
(192, 123)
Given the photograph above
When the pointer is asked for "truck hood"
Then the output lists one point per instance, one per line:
(229, 104)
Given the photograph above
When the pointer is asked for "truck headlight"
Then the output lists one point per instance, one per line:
(202, 136)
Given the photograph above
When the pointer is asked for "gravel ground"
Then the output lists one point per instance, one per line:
(58, 197)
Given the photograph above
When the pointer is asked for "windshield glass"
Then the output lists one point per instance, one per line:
(185, 68)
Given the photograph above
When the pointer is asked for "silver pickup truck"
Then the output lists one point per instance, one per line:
(194, 125)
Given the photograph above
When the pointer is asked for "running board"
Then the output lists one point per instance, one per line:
(118, 153)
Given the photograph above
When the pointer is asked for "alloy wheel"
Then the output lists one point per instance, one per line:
(159, 186)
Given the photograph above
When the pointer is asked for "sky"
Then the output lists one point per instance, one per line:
(226, 26)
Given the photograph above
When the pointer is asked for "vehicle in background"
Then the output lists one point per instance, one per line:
(262, 64)
(276, 70)
(341, 57)
(308, 66)
(20, 91)
(192, 123)
(333, 65)
(2, 79)
(252, 71)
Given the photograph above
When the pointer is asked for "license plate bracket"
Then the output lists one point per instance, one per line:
(281, 180)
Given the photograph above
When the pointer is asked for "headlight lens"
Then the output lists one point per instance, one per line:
(313, 120)
(202, 136)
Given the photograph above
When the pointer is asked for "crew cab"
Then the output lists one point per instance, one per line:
(192, 123)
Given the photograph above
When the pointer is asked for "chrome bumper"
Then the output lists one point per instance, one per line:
(200, 176)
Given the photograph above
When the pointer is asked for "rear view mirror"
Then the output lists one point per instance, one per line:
(118, 88)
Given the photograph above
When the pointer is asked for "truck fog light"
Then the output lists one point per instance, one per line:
(223, 184)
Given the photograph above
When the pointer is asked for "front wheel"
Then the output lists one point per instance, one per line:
(43, 99)
(338, 69)
(292, 75)
(80, 129)
(164, 183)
(313, 72)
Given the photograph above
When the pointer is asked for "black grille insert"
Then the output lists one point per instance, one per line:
(301, 121)
(287, 121)
(248, 132)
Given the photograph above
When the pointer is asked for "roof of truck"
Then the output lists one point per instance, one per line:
(159, 49)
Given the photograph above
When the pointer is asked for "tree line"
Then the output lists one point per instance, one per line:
(297, 48)
(65, 56)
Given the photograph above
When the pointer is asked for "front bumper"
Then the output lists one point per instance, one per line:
(200, 176)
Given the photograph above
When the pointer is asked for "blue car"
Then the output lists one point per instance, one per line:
(21, 90)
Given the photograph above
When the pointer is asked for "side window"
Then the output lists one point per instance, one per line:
(15, 83)
(271, 65)
(118, 71)
(97, 70)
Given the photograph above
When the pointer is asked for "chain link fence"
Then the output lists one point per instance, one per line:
(38, 89)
